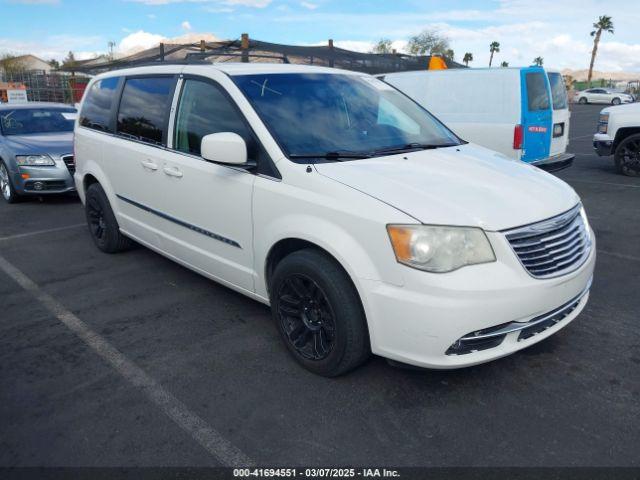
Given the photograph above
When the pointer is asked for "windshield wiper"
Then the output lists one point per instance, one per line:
(337, 155)
(411, 147)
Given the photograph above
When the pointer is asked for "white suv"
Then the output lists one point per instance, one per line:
(362, 220)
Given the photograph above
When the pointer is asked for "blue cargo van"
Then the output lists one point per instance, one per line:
(522, 113)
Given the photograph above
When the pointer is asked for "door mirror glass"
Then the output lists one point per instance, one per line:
(224, 147)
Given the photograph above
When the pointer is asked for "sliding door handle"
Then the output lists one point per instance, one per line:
(149, 165)
(172, 172)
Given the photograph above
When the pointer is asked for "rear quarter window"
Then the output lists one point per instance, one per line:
(144, 108)
(537, 93)
(96, 109)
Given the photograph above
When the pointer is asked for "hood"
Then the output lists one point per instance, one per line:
(56, 143)
(466, 185)
(630, 108)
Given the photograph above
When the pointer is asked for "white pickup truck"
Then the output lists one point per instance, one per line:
(619, 135)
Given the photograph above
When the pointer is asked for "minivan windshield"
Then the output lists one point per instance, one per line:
(24, 121)
(558, 91)
(341, 116)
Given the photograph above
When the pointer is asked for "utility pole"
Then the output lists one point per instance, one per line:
(244, 47)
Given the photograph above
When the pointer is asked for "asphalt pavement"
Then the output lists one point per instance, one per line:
(133, 360)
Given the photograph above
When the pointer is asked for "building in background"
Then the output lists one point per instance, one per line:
(29, 62)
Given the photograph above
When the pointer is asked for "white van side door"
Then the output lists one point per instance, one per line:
(207, 207)
(135, 154)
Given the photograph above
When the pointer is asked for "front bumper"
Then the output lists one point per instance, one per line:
(555, 163)
(44, 180)
(419, 322)
(603, 144)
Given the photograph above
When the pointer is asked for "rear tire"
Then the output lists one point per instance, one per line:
(615, 101)
(318, 313)
(627, 156)
(6, 187)
(583, 101)
(102, 222)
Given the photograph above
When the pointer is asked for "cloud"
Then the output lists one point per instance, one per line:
(309, 5)
(36, 2)
(242, 3)
(56, 46)
(248, 3)
(218, 9)
(141, 40)
(186, 25)
(137, 41)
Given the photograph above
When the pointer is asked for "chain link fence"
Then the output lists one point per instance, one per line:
(47, 87)
(255, 51)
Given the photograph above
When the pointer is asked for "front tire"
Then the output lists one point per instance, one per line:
(627, 156)
(6, 187)
(102, 222)
(583, 101)
(615, 101)
(318, 313)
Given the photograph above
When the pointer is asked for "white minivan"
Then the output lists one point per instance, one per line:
(366, 224)
(522, 113)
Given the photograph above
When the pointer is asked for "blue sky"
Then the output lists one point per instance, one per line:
(557, 30)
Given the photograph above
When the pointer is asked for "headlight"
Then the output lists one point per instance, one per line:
(35, 161)
(439, 249)
(603, 123)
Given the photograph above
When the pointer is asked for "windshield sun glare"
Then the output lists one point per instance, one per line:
(328, 116)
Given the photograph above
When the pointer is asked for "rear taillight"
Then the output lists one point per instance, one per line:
(517, 137)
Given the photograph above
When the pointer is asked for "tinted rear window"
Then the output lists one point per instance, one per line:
(144, 108)
(537, 93)
(96, 109)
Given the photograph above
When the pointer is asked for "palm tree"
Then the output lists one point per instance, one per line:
(468, 57)
(538, 61)
(493, 47)
(605, 24)
(504, 64)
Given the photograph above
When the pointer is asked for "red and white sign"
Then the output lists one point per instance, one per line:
(536, 129)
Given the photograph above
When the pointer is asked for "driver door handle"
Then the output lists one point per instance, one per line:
(148, 164)
(172, 172)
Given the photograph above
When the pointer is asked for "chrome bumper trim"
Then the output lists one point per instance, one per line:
(517, 326)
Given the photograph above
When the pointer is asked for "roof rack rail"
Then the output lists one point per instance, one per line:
(212, 53)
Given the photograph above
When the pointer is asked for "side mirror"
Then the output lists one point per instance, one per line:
(225, 147)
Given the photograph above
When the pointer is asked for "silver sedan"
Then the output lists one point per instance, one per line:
(36, 149)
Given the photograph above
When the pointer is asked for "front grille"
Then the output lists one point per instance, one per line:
(70, 162)
(552, 247)
(44, 185)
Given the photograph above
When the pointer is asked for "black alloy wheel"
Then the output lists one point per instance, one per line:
(318, 312)
(95, 216)
(306, 317)
(627, 156)
(102, 222)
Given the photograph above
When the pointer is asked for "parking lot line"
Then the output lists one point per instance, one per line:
(41, 232)
(199, 430)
